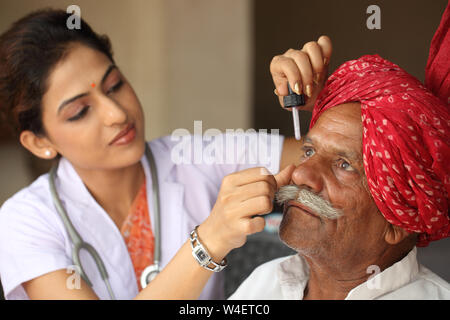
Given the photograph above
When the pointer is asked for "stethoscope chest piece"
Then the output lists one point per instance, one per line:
(149, 274)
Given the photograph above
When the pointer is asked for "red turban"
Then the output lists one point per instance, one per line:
(406, 142)
(437, 72)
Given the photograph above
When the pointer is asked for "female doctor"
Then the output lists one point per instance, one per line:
(72, 104)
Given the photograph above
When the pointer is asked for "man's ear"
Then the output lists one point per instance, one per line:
(39, 146)
(395, 235)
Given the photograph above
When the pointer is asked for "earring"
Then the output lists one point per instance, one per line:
(48, 153)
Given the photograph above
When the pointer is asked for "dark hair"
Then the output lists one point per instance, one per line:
(28, 51)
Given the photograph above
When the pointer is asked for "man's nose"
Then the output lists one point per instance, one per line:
(309, 174)
(112, 112)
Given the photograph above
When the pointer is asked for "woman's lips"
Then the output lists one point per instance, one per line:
(125, 136)
(300, 206)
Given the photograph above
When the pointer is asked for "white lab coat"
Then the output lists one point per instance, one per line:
(34, 241)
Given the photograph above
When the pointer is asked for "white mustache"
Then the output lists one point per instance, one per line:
(309, 199)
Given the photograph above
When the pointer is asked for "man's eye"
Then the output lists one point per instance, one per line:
(345, 166)
(309, 152)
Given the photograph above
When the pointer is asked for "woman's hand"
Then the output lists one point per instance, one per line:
(243, 197)
(305, 69)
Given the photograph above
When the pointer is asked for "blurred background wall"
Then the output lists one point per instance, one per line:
(407, 28)
(209, 60)
(187, 60)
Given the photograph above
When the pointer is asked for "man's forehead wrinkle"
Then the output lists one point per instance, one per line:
(339, 130)
(340, 123)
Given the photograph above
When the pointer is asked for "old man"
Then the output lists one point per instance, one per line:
(372, 184)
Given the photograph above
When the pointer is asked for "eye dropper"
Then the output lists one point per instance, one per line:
(293, 101)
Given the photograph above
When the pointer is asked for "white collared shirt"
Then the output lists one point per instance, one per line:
(287, 277)
(34, 241)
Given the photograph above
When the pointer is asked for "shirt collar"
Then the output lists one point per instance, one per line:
(293, 276)
(69, 183)
(391, 279)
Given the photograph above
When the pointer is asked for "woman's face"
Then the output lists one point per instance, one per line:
(88, 103)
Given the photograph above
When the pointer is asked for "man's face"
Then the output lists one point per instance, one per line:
(331, 166)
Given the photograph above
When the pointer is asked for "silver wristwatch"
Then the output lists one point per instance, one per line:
(202, 255)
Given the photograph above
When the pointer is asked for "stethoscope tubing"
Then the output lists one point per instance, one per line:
(79, 244)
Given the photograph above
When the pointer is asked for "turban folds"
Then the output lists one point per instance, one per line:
(406, 144)
(437, 71)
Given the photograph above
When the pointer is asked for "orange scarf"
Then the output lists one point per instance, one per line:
(138, 235)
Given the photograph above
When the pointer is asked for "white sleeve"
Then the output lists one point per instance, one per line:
(30, 245)
(261, 284)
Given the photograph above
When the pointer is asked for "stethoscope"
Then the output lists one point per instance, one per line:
(149, 272)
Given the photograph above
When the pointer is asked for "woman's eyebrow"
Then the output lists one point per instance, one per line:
(108, 71)
(68, 101)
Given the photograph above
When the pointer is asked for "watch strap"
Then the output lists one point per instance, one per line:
(201, 254)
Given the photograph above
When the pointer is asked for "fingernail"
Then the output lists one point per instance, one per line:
(296, 88)
(276, 92)
(309, 90)
(316, 78)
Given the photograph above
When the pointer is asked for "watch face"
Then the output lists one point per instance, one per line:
(201, 255)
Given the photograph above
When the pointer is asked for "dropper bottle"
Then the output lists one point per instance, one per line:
(293, 101)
